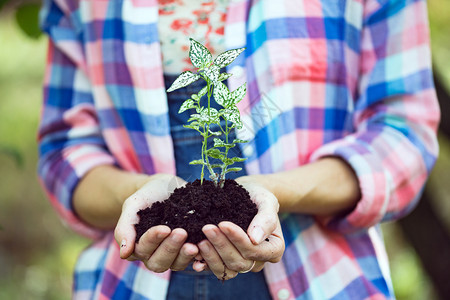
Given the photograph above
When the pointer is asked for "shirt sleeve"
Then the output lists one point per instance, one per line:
(394, 145)
(70, 139)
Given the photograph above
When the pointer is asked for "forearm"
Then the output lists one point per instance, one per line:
(99, 196)
(326, 187)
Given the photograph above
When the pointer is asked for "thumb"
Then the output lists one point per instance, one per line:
(125, 233)
(265, 221)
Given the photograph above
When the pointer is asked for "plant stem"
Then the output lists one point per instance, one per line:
(203, 156)
(205, 140)
(224, 166)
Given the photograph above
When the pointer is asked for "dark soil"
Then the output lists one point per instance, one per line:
(195, 205)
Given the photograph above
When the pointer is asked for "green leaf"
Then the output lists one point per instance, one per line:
(215, 153)
(197, 162)
(228, 161)
(213, 166)
(216, 133)
(185, 79)
(199, 109)
(188, 104)
(239, 141)
(238, 94)
(199, 54)
(27, 17)
(227, 57)
(236, 169)
(195, 97)
(224, 76)
(221, 93)
(193, 126)
(238, 159)
(218, 143)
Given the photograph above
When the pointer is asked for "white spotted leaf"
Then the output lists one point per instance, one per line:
(227, 57)
(235, 117)
(212, 73)
(239, 141)
(238, 94)
(188, 104)
(221, 93)
(199, 54)
(185, 79)
(203, 91)
(224, 76)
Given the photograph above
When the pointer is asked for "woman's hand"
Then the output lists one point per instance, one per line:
(229, 250)
(159, 248)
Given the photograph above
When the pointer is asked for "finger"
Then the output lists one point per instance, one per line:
(226, 250)
(199, 266)
(270, 250)
(166, 253)
(125, 234)
(132, 257)
(214, 261)
(258, 266)
(150, 241)
(265, 221)
(187, 253)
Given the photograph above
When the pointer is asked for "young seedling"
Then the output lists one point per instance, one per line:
(209, 70)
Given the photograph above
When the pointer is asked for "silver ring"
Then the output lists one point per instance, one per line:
(253, 265)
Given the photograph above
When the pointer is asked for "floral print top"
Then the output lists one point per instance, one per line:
(179, 20)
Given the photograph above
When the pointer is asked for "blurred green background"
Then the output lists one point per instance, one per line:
(37, 254)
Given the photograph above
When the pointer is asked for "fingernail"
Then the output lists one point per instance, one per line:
(177, 238)
(257, 234)
(202, 267)
(199, 266)
(161, 235)
(123, 243)
(204, 247)
(211, 233)
(225, 230)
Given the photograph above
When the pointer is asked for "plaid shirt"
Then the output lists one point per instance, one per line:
(342, 78)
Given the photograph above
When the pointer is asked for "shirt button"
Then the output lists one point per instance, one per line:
(237, 71)
(283, 294)
(248, 150)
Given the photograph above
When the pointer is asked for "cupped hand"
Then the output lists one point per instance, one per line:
(159, 248)
(229, 250)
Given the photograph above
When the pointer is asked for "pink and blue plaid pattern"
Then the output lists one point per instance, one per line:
(344, 78)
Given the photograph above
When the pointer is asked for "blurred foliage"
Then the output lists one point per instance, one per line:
(37, 253)
(27, 17)
(2, 3)
(439, 15)
(13, 153)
